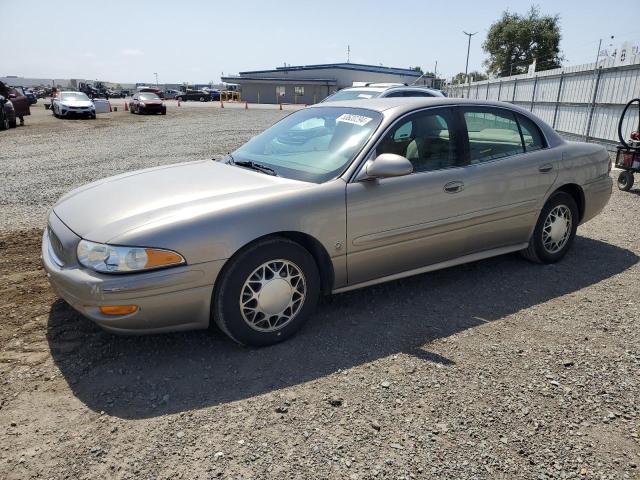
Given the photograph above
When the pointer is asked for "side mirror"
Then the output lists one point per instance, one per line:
(388, 165)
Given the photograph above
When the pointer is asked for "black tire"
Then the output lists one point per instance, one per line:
(226, 309)
(625, 180)
(163, 112)
(202, 99)
(4, 121)
(13, 123)
(180, 99)
(536, 251)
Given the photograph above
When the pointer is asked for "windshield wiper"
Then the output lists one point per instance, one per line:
(254, 166)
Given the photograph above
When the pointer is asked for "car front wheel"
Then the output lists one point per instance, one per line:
(555, 230)
(267, 292)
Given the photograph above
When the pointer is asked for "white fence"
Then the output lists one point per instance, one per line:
(580, 102)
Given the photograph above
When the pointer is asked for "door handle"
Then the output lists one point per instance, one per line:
(547, 167)
(454, 187)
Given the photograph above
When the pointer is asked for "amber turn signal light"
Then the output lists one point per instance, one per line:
(118, 309)
(162, 258)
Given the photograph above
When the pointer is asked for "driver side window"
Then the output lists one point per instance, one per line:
(426, 139)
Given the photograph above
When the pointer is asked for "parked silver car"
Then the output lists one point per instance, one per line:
(382, 90)
(331, 198)
(70, 104)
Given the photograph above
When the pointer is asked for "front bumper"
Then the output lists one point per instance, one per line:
(168, 300)
(77, 111)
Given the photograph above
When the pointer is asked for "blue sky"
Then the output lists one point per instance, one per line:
(127, 41)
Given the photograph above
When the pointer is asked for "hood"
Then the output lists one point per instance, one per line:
(76, 103)
(105, 209)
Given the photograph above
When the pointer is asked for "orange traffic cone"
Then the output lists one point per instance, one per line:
(126, 107)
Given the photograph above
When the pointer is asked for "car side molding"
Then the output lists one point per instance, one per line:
(436, 266)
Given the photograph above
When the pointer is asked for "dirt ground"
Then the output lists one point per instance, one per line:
(498, 369)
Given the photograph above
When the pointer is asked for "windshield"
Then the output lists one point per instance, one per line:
(352, 94)
(149, 96)
(312, 145)
(74, 96)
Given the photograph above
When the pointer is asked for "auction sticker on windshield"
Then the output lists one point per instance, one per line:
(359, 120)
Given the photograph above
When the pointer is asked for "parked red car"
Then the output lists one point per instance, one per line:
(143, 102)
(18, 105)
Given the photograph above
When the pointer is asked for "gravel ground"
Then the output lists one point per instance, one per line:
(498, 369)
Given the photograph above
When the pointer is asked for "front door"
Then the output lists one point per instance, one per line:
(402, 223)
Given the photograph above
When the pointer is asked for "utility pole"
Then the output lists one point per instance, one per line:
(156, 78)
(348, 53)
(435, 75)
(466, 68)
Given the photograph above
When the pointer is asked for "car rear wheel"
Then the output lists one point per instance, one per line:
(267, 293)
(625, 181)
(555, 230)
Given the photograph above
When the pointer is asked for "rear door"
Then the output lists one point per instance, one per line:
(509, 173)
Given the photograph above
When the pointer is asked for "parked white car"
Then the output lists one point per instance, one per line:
(68, 104)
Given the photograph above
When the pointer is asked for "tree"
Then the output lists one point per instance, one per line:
(417, 69)
(475, 77)
(515, 41)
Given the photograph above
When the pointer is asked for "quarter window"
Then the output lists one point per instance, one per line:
(531, 135)
(493, 134)
(426, 139)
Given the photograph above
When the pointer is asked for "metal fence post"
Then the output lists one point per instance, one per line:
(533, 95)
(486, 96)
(499, 89)
(555, 111)
(592, 108)
(515, 85)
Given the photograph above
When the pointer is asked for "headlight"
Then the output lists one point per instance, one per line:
(142, 104)
(110, 259)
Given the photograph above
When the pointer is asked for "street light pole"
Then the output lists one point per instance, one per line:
(466, 68)
(156, 79)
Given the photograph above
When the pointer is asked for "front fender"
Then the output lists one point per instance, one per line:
(319, 212)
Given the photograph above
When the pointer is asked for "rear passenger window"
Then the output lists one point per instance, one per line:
(531, 135)
(493, 134)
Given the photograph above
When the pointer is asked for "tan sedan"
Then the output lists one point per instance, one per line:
(337, 196)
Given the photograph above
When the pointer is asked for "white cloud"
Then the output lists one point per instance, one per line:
(132, 52)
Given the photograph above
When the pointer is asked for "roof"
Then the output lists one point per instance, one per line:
(345, 66)
(406, 104)
(246, 78)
